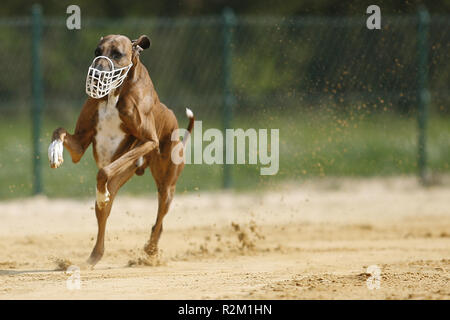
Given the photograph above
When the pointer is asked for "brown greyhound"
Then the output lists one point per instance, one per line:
(130, 130)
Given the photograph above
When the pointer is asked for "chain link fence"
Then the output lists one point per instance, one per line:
(345, 98)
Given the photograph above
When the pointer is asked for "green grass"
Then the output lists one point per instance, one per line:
(311, 144)
(333, 144)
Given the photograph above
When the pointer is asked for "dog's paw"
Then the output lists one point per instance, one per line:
(151, 249)
(94, 258)
(55, 153)
(102, 198)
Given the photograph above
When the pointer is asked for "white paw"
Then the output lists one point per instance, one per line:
(102, 198)
(55, 153)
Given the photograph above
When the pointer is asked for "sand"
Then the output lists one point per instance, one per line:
(314, 240)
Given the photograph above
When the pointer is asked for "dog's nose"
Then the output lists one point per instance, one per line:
(102, 65)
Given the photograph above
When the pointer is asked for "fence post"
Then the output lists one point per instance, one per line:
(423, 93)
(229, 20)
(36, 94)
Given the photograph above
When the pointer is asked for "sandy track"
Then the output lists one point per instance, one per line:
(310, 241)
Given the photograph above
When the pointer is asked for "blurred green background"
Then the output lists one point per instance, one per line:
(345, 98)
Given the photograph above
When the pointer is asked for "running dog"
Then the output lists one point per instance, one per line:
(130, 130)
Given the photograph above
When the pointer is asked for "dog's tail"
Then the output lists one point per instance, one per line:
(190, 115)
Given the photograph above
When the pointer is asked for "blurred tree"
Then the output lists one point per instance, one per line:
(121, 8)
(303, 58)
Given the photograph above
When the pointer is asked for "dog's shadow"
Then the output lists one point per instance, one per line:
(15, 272)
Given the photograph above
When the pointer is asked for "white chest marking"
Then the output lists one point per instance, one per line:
(109, 135)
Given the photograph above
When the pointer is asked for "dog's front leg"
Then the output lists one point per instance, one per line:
(109, 181)
(144, 130)
(119, 166)
(73, 144)
(77, 143)
(103, 209)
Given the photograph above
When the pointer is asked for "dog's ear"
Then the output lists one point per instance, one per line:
(142, 43)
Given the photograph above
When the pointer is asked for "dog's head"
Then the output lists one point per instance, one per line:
(120, 50)
(115, 55)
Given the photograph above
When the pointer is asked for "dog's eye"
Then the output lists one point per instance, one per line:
(116, 55)
(98, 52)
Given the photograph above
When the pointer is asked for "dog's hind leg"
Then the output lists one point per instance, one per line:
(165, 196)
(103, 209)
(166, 174)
